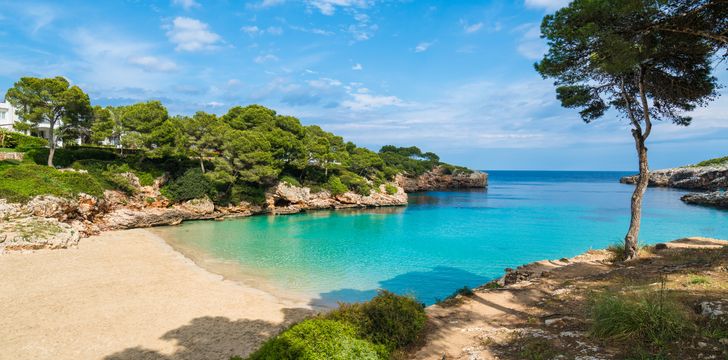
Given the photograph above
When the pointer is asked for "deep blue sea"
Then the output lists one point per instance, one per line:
(441, 241)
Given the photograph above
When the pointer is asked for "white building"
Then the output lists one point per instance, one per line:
(8, 118)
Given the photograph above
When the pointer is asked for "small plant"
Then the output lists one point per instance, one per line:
(618, 252)
(652, 319)
(290, 180)
(453, 298)
(698, 280)
(192, 185)
(534, 348)
(390, 189)
(335, 186)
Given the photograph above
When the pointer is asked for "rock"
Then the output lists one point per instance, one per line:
(439, 179)
(10, 210)
(660, 246)
(49, 206)
(716, 310)
(516, 276)
(716, 198)
(126, 218)
(32, 233)
(288, 199)
(19, 156)
(691, 178)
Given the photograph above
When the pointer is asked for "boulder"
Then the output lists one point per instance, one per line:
(32, 233)
(716, 310)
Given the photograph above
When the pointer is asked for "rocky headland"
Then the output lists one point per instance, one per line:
(439, 178)
(710, 181)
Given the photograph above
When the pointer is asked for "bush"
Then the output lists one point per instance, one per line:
(22, 182)
(335, 186)
(653, 319)
(319, 339)
(356, 183)
(713, 162)
(388, 319)
(290, 180)
(66, 157)
(192, 185)
(390, 189)
(21, 142)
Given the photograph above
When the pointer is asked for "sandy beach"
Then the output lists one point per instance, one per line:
(129, 295)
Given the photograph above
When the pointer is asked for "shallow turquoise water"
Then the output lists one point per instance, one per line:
(442, 240)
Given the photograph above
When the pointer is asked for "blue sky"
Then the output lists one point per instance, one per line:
(454, 77)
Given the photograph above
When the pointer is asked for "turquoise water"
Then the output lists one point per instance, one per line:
(442, 240)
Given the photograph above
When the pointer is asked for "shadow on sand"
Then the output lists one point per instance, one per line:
(215, 338)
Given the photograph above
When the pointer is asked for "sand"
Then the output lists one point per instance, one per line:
(128, 295)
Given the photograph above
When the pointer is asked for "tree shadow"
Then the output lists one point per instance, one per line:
(215, 338)
(426, 286)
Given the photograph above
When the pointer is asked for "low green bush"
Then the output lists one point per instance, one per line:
(391, 320)
(652, 319)
(20, 183)
(356, 183)
(65, 157)
(192, 185)
(713, 162)
(21, 142)
(390, 189)
(335, 186)
(290, 180)
(319, 339)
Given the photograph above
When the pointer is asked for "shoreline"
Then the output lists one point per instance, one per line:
(129, 294)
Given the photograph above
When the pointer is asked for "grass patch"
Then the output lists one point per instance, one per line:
(698, 280)
(714, 162)
(20, 183)
(650, 320)
(534, 348)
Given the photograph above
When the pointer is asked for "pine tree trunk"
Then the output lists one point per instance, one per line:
(631, 240)
(202, 165)
(51, 143)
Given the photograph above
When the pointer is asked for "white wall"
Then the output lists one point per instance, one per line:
(8, 116)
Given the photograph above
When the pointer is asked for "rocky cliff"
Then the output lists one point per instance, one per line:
(439, 179)
(717, 199)
(704, 178)
(53, 222)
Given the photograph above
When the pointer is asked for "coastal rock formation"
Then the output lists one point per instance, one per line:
(289, 199)
(440, 179)
(716, 198)
(691, 178)
(32, 233)
(128, 218)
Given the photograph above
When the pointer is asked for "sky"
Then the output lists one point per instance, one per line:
(453, 77)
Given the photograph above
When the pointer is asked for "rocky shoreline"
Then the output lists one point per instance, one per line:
(53, 222)
(711, 181)
(440, 179)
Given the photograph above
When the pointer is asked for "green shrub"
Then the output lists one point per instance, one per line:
(290, 180)
(534, 348)
(652, 319)
(388, 319)
(335, 186)
(20, 183)
(21, 142)
(712, 162)
(356, 183)
(192, 185)
(67, 156)
(390, 189)
(319, 339)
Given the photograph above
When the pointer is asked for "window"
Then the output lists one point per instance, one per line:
(2, 115)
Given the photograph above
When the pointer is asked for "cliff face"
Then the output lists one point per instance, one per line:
(438, 179)
(704, 178)
(53, 222)
(717, 199)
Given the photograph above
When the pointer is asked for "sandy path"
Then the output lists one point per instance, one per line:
(128, 295)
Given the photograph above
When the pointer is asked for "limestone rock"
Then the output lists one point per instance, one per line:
(49, 206)
(32, 233)
(716, 198)
(439, 179)
(715, 310)
(691, 178)
(128, 218)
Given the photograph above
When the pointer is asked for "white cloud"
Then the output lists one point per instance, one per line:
(357, 67)
(471, 28)
(549, 5)
(274, 30)
(268, 3)
(152, 63)
(251, 30)
(324, 83)
(364, 101)
(328, 7)
(423, 46)
(530, 44)
(192, 35)
(186, 4)
(215, 104)
(316, 31)
(262, 59)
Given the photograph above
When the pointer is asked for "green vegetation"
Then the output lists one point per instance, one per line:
(21, 182)
(239, 155)
(390, 189)
(698, 280)
(377, 329)
(455, 297)
(714, 162)
(535, 348)
(319, 339)
(649, 320)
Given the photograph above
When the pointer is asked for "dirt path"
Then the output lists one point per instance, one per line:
(549, 304)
